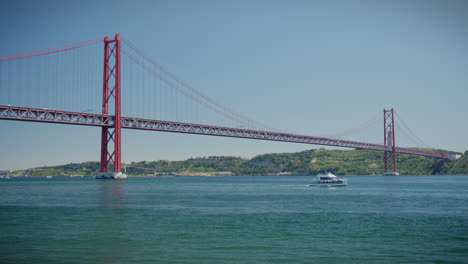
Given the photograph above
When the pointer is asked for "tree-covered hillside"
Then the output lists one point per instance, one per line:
(459, 166)
(309, 162)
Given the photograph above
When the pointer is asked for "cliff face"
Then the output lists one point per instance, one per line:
(309, 162)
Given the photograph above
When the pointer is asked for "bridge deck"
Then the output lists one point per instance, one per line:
(89, 119)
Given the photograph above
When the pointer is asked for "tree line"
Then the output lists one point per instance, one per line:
(308, 162)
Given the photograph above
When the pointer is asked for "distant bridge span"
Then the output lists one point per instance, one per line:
(99, 120)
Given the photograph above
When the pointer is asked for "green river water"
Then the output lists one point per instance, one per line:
(243, 219)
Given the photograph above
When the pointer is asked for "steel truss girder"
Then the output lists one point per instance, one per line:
(54, 116)
(88, 119)
(177, 127)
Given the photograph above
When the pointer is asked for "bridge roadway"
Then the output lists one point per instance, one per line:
(19, 113)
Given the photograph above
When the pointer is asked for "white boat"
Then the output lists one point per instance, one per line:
(391, 173)
(328, 180)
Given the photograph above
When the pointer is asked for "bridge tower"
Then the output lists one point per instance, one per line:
(389, 140)
(111, 136)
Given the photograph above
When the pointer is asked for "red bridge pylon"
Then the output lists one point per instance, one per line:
(111, 136)
(389, 140)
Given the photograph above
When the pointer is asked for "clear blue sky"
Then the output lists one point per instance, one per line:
(309, 67)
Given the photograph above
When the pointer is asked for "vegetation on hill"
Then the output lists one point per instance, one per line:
(309, 162)
(459, 166)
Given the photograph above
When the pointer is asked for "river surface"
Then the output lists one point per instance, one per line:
(244, 219)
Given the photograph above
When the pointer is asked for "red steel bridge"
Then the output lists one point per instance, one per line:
(29, 95)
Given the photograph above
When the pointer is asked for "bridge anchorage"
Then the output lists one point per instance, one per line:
(111, 121)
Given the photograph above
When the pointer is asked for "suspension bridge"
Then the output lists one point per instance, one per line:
(81, 84)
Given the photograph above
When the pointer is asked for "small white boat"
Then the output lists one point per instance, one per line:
(391, 173)
(328, 180)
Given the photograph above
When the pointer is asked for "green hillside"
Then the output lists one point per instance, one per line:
(459, 166)
(309, 162)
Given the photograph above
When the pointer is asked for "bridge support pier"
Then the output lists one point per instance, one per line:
(111, 175)
(389, 140)
(111, 136)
